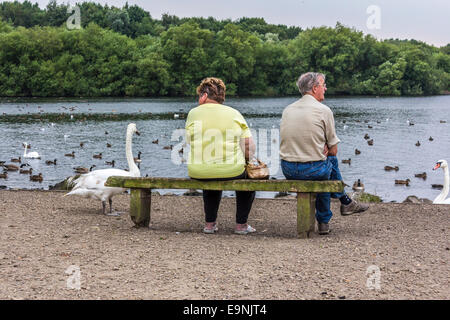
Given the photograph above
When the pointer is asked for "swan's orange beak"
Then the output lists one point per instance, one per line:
(437, 166)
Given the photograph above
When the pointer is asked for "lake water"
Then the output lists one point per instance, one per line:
(57, 126)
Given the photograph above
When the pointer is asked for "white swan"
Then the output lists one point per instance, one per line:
(30, 155)
(440, 199)
(92, 184)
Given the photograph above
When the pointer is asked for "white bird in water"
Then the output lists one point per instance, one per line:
(30, 155)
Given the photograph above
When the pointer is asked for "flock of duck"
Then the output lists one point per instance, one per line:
(21, 166)
(359, 186)
(90, 183)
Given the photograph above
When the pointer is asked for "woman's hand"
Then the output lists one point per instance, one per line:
(248, 147)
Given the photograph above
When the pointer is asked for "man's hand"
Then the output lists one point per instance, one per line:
(325, 150)
(330, 151)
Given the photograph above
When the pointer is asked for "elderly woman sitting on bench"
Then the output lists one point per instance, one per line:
(221, 143)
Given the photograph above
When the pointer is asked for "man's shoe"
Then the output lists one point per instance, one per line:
(353, 207)
(324, 228)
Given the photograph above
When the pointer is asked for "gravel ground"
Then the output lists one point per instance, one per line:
(43, 234)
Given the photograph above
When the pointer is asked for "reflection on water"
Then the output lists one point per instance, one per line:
(56, 127)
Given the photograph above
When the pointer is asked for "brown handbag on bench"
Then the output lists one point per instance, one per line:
(256, 169)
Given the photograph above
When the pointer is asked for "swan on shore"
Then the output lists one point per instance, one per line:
(440, 199)
(30, 155)
(92, 184)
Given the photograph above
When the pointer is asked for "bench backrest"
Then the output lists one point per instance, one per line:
(240, 185)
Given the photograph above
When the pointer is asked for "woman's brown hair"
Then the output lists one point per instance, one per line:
(214, 88)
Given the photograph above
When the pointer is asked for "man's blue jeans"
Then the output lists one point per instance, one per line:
(317, 170)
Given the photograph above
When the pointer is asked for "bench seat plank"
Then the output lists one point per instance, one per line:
(240, 185)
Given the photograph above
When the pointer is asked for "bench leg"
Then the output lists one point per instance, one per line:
(140, 206)
(306, 217)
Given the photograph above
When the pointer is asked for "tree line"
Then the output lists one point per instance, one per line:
(125, 52)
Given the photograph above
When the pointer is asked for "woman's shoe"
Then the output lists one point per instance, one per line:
(249, 229)
(211, 230)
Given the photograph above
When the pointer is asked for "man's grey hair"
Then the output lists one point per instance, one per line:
(308, 80)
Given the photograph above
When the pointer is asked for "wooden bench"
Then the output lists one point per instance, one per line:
(140, 201)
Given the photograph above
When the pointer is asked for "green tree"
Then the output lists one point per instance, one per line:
(23, 14)
(56, 15)
(272, 73)
(389, 78)
(187, 49)
(5, 27)
(235, 58)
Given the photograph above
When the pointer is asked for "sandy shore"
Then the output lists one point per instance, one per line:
(43, 234)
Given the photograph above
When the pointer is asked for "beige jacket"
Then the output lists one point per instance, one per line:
(306, 126)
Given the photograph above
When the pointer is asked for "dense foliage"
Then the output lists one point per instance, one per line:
(125, 52)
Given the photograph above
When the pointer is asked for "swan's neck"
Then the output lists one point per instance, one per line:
(134, 170)
(25, 151)
(445, 190)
